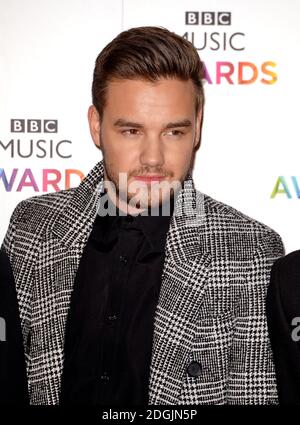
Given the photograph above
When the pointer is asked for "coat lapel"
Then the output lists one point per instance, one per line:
(56, 269)
(182, 288)
(74, 224)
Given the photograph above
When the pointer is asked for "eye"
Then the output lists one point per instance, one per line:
(176, 133)
(130, 131)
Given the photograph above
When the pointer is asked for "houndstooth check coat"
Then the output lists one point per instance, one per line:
(211, 307)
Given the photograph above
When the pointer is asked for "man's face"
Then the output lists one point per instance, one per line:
(148, 132)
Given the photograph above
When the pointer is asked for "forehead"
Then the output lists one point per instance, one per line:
(164, 96)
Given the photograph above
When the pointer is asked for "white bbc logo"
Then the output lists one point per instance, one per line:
(208, 18)
(33, 126)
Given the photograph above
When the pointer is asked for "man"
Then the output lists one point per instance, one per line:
(283, 313)
(161, 301)
(13, 385)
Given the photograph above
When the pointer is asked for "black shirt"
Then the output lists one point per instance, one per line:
(13, 380)
(110, 324)
(283, 312)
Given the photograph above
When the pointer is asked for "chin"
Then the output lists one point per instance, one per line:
(150, 203)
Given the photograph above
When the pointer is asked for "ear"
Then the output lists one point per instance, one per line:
(199, 117)
(94, 124)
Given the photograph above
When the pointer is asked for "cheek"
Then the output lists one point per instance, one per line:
(179, 160)
(121, 158)
(111, 144)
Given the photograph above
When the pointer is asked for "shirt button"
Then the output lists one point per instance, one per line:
(104, 377)
(129, 218)
(111, 318)
(194, 369)
(123, 259)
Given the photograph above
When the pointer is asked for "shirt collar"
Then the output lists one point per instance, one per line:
(155, 227)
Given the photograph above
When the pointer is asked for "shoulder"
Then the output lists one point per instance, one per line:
(229, 215)
(242, 232)
(37, 213)
(5, 268)
(290, 264)
(40, 205)
(283, 300)
(286, 271)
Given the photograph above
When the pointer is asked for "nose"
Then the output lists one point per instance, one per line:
(152, 153)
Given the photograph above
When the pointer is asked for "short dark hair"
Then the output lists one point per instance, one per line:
(147, 53)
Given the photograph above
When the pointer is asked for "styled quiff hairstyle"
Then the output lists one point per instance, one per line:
(147, 53)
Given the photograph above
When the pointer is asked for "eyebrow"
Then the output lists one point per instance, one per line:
(124, 123)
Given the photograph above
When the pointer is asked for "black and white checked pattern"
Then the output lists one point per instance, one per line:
(211, 306)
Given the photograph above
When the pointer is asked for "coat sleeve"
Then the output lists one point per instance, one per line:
(252, 373)
(283, 313)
